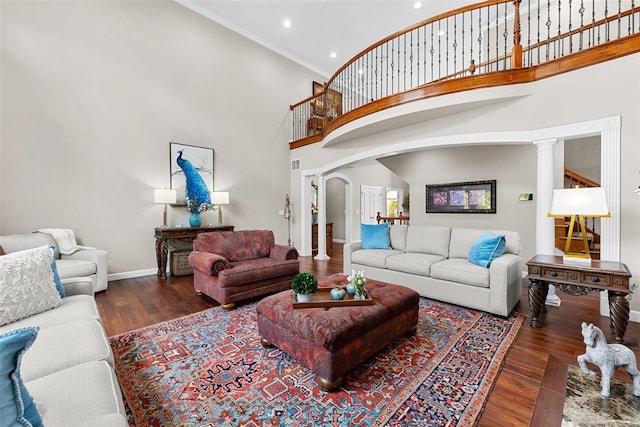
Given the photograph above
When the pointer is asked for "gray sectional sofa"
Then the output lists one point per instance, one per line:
(433, 261)
(69, 369)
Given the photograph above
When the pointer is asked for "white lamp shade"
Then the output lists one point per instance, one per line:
(579, 201)
(220, 198)
(164, 195)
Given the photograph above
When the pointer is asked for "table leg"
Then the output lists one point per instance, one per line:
(619, 312)
(161, 257)
(537, 294)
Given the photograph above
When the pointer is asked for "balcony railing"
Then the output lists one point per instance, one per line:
(449, 53)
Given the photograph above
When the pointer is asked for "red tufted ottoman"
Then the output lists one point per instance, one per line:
(333, 341)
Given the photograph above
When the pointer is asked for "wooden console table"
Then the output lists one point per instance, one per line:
(579, 279)
(164, 234)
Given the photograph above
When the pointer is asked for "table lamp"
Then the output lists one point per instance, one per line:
(220, 198)
(164, 195)
(581, 203)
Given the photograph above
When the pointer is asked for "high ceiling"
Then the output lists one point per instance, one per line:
(319, 27)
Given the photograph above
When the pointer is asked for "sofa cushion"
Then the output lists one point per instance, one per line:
(398, 237)
(413, 263)
(16, 405)
(429, 240)
(73, 308)
(20, 242)
(236, 245)
(244, 272)
(27, 286)
(375, 236)
(91, 391)
(486, 248)
(75, 268)
(63, 346)
(373, 257)
(462, 271)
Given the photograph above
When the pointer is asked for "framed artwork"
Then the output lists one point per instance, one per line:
(333, 100)
(462, 197)
(201, 158)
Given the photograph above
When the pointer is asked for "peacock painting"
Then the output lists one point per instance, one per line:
(192, 176)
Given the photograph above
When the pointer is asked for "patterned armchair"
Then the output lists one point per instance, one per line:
(232, 266)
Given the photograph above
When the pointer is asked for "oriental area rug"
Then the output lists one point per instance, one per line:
(210, 369)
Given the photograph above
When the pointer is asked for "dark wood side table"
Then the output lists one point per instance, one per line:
(579, 279)
(164, 234)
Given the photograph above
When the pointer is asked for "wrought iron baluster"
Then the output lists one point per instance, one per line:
(479, 37)
(398, 65)
(418, 57)
(529, 32)
(471, 38)
(548, 24)
(581, 11)
(431, 51)
(375, 72)
(439, 49)
(446, 41)
(606, 20)
(570, 35)
(557, 51)
(619, 18)
(505, 34)
(455, 43)
(410, 61)
(538, 43)
(462, 61)
(393, 75)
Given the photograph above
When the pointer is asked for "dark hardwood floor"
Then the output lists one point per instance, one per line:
(522, 394)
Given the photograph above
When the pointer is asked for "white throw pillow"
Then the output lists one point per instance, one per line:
(27, 286)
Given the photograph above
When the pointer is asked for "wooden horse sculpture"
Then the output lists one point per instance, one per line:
(608, 357)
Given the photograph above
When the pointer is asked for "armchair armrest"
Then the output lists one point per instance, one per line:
(99, 257)
(282, 252)
(77, 286)
(208, 263)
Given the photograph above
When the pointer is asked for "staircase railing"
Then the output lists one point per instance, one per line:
(450, 52)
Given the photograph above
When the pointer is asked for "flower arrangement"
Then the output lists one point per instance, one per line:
(314, 209)
(358, 280)
(195, 206)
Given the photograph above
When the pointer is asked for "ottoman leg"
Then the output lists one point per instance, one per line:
(329, 385)
(229, 306)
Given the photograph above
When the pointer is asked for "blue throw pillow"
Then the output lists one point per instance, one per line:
(487, 248)
(16, 405)
(56, 277)
(375, 236)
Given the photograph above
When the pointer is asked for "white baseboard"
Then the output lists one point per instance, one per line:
(132, 274)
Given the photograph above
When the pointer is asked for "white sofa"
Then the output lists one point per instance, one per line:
(69, 369)
(90, 263)
(433, 261)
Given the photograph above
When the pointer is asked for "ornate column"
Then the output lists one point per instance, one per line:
(322, 219)
(545, 230)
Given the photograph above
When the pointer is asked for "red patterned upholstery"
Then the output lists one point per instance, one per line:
(231, 266)
(334, 341)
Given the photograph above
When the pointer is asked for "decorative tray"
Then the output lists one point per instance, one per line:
(322, 298)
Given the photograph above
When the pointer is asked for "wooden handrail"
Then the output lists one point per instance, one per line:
(579, 178)
(498, 61)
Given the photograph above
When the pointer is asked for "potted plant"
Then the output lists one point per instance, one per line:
(303, 285)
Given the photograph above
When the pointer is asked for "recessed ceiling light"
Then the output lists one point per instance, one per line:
(333, 55)
(417, 5)
(286, 23)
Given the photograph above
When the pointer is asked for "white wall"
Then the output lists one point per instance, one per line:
(510, 166)
(92, 94)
